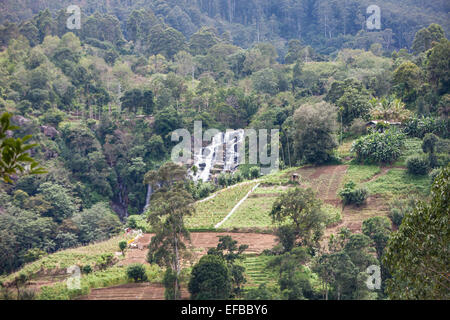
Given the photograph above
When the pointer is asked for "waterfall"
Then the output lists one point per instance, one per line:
(147, 199)
(208, 157)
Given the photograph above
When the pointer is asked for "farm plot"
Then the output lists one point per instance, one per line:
(211, 212)
(254, 211)
(325, 181)
(257, 272)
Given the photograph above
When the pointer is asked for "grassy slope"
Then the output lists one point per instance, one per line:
(211, 212)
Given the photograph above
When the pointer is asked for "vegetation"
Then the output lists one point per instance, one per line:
(170, 205)
(423, 233)
(350, 194)
(361, 114)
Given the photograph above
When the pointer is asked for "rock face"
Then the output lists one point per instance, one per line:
(49, 131)
(21, 121)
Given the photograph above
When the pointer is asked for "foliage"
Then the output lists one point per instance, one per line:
(378, 147)
(350, 194)
(304, 213)
(417, 255)
(210, 279)
(417, 165)
(314, 136)
(136, 272)
(14, 156)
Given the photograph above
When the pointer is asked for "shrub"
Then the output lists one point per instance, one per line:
(419, 127)
(350, 194)
(132, 223)
(105, 260)
(378, 147)
(86, 269)
(417, 165)
(399, 208)
(136, 272)
(254, 172)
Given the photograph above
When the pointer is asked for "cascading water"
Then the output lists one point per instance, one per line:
(209, 156)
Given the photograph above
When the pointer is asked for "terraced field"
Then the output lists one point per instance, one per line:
(257, 271)
(213, 211)
(254, 211)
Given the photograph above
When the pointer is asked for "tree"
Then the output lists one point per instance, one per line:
(122, 246)
(166, 121)
(379, 230)
(171, 204)
(438, 66)
(429, 146)
(210, 279)
(202, 40)
(417, 254)
(62, 205)
(426, 37)
(407, 78)
(96, 223)
(137, 273)
(294, 279)
(165, 40)
(301, 208)
(14, 156)
(228, 250)
(314, 135)
(353, 105)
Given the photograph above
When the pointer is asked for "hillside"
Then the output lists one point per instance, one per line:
(120, 125)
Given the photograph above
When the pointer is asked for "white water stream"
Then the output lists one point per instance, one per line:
(223, 150)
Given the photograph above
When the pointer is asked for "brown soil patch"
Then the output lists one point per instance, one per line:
(325, 180)
(353, 216)
(201, 242)
(132, 291)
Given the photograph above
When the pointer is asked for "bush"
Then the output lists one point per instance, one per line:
(417, 165)
(86, 269)
(131, 222)
(350, 194)
(419, 127)
(254, 172)
(379, 147)
(399, 208)
(136, 272)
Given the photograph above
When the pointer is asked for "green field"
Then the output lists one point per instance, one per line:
(257, 272)
(361, 173)
(397, 182)
(211, 212)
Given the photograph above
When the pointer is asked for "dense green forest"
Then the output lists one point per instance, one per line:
(101, 103)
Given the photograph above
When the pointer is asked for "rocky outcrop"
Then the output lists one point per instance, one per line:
(49, 131)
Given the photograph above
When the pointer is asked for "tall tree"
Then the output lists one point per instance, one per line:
(301, 208)
(171, 203)
(417, 255)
